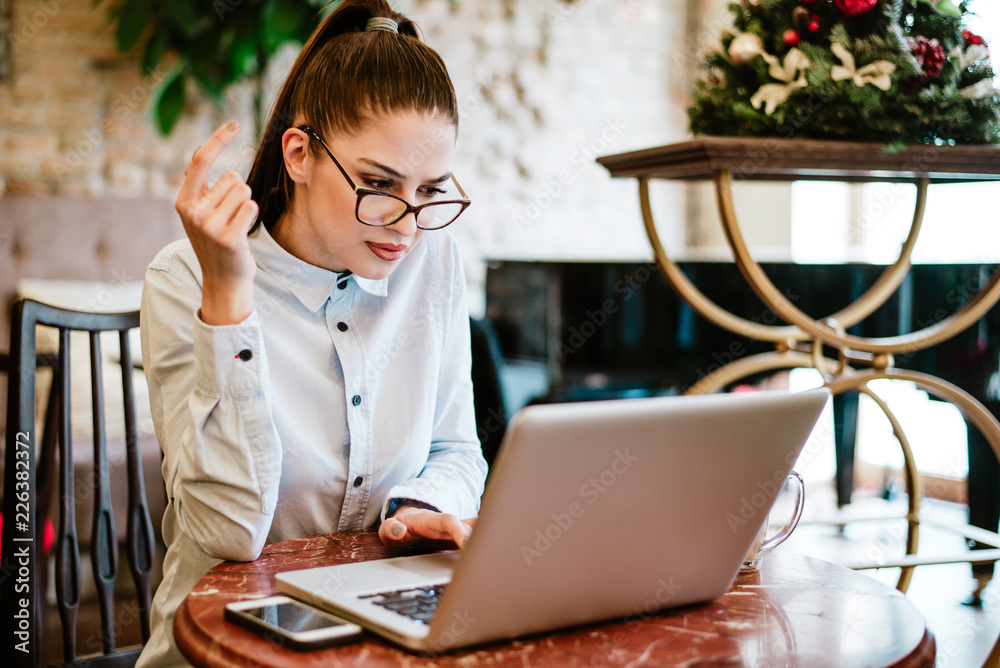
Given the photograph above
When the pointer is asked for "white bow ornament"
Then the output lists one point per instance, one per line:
(875, 73)
(970, 56)
(792, 72)
(983, 88)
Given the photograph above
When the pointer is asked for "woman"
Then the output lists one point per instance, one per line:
(314, 375)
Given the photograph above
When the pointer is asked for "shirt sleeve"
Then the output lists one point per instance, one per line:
(452, 480)
(212, 413)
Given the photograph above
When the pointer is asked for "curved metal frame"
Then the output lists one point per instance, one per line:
(868, 303)
(793, 359)
(943, 330)
(754, 364)
(912, 484)
(803, 329)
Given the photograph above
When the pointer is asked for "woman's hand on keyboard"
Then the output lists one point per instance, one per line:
(410, 524)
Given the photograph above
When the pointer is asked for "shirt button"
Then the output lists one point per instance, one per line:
(357, 400)
(245, 355)
(342, 285)
(358, 481)
(342, 326)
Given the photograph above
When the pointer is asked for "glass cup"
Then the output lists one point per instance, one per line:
(761, 544)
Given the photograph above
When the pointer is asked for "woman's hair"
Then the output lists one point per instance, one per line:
(344, 76)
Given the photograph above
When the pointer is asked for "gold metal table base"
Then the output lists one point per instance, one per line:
(800, 343)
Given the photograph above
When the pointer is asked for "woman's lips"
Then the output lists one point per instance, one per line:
(388, 252)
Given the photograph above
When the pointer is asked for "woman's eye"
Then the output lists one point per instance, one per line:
(378, 184)
(431, 191)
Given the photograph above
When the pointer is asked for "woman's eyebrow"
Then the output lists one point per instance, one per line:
(392, 172)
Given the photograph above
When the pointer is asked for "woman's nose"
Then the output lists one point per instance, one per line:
(407, 225)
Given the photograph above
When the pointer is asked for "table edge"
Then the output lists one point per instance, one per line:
(924, 654)
(201, 649)
(778, 159)
(185, 629)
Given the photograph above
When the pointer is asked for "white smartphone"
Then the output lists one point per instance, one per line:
(292, 623)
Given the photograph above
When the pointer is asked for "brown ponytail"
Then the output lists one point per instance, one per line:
(343, 76)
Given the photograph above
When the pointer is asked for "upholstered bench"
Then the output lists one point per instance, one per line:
(87, 254)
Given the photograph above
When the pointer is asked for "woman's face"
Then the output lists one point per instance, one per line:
(407, 154)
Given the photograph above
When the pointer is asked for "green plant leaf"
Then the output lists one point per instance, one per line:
(170, 103)
(132, 20)
(210, 85)
(243, 52)
(284, 22)
(155, 47)
(183, 16)
(217, 42)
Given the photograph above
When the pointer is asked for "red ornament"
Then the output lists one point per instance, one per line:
(929, 53)
(852, 7)
(972, 38)
(791, 37)
(814, 24)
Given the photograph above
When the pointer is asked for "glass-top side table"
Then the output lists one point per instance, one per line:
(800, 343)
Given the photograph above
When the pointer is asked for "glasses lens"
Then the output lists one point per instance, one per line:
(379, 209)
(376, 209)
(433, 216)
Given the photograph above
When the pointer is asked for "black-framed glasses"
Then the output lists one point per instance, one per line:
(379, 209)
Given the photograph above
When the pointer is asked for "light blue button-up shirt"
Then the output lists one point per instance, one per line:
(335, 397)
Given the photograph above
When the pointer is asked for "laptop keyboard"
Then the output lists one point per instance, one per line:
(418, 603)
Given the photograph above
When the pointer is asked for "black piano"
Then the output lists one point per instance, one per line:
(616, 329)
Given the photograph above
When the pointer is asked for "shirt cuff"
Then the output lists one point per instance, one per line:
(392, 505)
(230, 359)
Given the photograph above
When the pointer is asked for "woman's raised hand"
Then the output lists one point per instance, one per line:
(216, 221)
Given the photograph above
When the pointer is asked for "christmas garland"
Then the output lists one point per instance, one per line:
(894, 71)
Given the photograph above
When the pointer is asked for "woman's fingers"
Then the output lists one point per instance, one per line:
(196, 175)
(449, 527)
(415, 524)
(210, 211)
(214, 195)
(235, 197)
(244, 217)
(216, 221)
(394, 532)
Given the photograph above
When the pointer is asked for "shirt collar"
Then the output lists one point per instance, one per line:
(312, 285)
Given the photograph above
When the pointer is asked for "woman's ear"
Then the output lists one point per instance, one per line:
(295, 151)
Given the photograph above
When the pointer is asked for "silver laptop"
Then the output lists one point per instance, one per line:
(593, 511)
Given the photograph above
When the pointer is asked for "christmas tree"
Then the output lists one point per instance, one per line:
(894, 71)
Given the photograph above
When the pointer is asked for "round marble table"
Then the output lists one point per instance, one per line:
(797, 611)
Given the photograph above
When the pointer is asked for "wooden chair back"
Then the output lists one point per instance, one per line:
(22, 563)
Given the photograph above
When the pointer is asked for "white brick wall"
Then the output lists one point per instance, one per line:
(545, 87)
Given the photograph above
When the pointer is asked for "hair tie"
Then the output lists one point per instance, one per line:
(382, 23)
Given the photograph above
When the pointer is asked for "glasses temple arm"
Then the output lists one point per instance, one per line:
(308, 130)
(459, 186)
